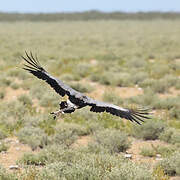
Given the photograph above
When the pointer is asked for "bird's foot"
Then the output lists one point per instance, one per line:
(57, 113)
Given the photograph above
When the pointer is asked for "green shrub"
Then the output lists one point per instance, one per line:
(149, 130)
(147, 83)
(2, 94)
(138, 77)
(170, 135)
(167, 103)
(152, 151)
(20, 74)
(112, 98)
(174, 113)
(107, 78)
(165, 151)
(70, 77)
(136, 63)
(15, 85)
(149, 98)
(171, 165)
(82, 70)
(95, 77)
(170, 80)
(149, 152)
(121, 79)
(84, 88)
(75, 128)
(33, 159)
(33, 136)
(4, 82)
(25, 100)
(113, 140)
(5, 175)
(49, 99)
(2, 134)
(3, 147)
(130, 171)
(96, 167)
(177, 85)
(160, 86)
(159, 70)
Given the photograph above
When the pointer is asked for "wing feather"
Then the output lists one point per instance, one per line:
(34, 67)
(137, 115)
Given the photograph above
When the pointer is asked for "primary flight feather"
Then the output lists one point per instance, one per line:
(78, 100)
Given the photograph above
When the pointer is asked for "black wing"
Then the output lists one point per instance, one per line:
(37, 70)
(134, 115)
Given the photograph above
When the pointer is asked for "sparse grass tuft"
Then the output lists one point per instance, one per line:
(112, 140)
(171, 164)
(84, 88)
(25, 100)
(3, 147)
(2, 94)
(5, 175)
(33, 136)
(149, 130)
(170, 135)
(149, 152)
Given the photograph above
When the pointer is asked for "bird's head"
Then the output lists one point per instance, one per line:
(63, 104)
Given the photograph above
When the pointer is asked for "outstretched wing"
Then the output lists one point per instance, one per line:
(134, 115)
(34, 67)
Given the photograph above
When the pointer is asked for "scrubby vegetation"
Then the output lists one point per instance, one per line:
(128, 63)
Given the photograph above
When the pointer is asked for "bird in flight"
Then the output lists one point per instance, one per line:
(77, 100)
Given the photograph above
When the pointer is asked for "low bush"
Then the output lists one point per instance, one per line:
(15, 86)
(112, 98)
(49, 99)
(64, 138)
(33, 159)
(75, 128)
(2, 94)
(138, 77)
(149, 152)
(98, 167)
(82, 70)
(171, 164)
(152, 151)
(174, 113)
(2, 134)
(170, 135)
(33, 136)
(70, 77)
(107, 78)
(3, 147)
(160, 86)
(84, 88)
(122, 80)
(5, 175)
(4, 82)
(149, 98)
(25, 100)
(149, 130)
(167, 103)
(114, 141)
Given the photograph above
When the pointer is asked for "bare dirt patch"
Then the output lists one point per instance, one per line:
(15, 152)
(82, 141)
(123, 92)
(12, 94)
(136, 147)
(172, 93)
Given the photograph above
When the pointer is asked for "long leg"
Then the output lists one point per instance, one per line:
(57, 113)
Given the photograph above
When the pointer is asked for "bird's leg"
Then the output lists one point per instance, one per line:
(57, 113)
